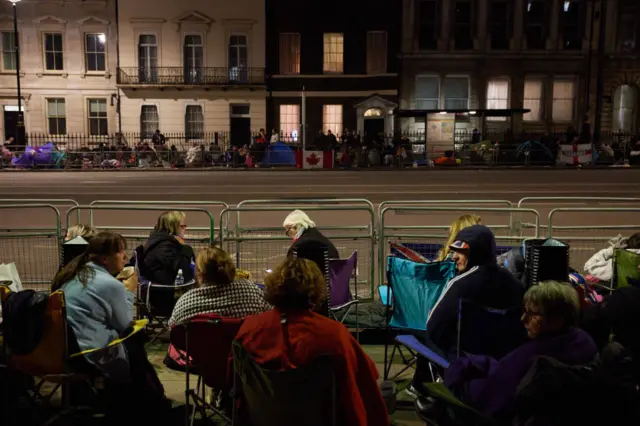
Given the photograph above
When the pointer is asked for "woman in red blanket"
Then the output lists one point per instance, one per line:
(294, 289)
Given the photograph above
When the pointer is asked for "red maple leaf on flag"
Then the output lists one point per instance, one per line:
(313, 159)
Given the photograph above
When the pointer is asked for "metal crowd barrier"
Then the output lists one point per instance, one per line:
(259, 248)
(437, 234)
(166, 205)
(35, 250)
(583, 247)
(137, 235)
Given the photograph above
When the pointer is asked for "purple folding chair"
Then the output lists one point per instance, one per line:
(341, 272)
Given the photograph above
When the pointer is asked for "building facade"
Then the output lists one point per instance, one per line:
(540, 55)
(192, 67)
(341, 57)
(67, 70)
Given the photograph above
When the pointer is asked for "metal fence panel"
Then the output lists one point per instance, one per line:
(437, 234)
(263, 245)
(199, 238)
(35, 250)
(585, 232)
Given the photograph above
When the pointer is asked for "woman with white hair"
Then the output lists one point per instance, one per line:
(302, 230)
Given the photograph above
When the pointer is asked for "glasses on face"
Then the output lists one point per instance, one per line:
(183, 226)
(530, 314)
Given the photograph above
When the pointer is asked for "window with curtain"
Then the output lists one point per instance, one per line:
(95, 52)
(98, 123)
(428, 24)
(333, 53)
(427, 93)
(193, 51)
(148, 58)
(9, 51)
(625, 109)
(535, 18)
(53, 56)
(533, 100)
(289, 53)
(290, 122)
(56, 116)
(456, 92)
(194, 122)
(376, 52)
(563, 101)
(238, 58)
(332, 118)
(498, 97)
(628, 26)
(149, 120)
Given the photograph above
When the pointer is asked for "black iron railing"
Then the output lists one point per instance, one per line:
(191, 76)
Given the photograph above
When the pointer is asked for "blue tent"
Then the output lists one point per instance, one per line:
(279, 154)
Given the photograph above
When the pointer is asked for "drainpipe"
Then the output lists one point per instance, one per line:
(119, 109)
(600, 76)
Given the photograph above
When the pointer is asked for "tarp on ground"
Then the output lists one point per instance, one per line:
(280, 154)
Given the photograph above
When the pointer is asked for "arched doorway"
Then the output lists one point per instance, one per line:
(374, 121)
(625, 109)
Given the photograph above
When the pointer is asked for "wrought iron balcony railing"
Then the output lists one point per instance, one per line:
(190, 76)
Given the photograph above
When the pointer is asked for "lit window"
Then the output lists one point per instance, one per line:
(333, 53)
(376, 52)
(8, 51)
(427, 94)
(98, 124)
(498, 97)
(290, 53)
(95, 52)
(373, 112)
(289, 122)
(194, 122)
(563, 101)
(149, 120)
(533, 100)
(56, 116)
(332, 118)
(456, 92)
(53, 56)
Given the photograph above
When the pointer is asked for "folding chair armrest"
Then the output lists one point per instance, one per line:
(385, 291)
(441, 392)
(412, 343)
(135, 328)
(350, 303)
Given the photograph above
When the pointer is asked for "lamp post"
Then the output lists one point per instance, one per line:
(20, 123)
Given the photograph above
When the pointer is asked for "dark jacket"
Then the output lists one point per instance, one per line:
(163, 256)
(490, 386)
(312, 239)
(483, 282)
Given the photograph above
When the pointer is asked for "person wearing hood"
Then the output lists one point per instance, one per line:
(302, 230)
(166, 253)
(600, 265)
(480, 280)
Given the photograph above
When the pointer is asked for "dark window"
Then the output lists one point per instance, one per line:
(535, 17)
(572, 25)
(53, 52)
(462, 30)
(500, 20)
(428, 25)
(57, 116)
(95, 52)
(628, 26)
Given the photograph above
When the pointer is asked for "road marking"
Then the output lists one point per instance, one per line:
(101, 182)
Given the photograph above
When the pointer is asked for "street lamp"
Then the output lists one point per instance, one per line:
(20, 123)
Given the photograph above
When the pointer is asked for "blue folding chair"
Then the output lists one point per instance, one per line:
(413, 290)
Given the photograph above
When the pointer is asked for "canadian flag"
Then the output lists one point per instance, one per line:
(317, 159)
(576, 154)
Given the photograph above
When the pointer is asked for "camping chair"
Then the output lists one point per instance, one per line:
(341, 272)
(48, 362)
(625, 268)
(206, 342)
(306, 395)
(320, 256)
(412, 291)
(156, 301)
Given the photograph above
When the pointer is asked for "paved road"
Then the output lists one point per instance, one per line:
(234, 186)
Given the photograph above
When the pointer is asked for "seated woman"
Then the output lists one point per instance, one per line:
(294, 288)
(165, 252)
(600, 265)
(220, 290)
(302, 230)
(84, 231)
(551, 313)
(99, 310)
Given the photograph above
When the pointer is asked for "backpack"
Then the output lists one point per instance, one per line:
(23, 315)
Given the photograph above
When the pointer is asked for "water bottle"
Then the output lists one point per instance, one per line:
(179, 278)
